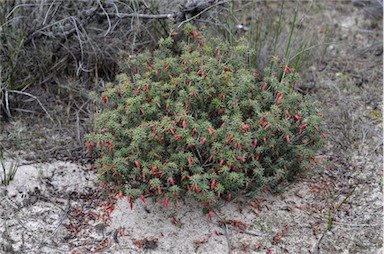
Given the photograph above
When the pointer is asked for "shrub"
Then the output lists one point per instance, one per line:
(201, 122)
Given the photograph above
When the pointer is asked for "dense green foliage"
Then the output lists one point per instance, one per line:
(201, 122)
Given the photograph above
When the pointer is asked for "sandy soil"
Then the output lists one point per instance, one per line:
(56, 207)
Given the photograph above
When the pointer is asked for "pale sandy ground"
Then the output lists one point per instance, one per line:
(38, 206)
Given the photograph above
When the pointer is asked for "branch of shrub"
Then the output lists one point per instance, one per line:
(66, 31)
(35, 98)
(186, 14)
(199, 8)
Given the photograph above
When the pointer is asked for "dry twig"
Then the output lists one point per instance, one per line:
(35, 98)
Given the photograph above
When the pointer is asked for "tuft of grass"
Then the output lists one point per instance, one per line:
(271, 29)
(338, 207)
(8, 174)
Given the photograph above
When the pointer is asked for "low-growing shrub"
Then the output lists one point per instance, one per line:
(192, 118)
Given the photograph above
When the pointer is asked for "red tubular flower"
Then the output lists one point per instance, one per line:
(298, 118)
(210, 214)
(90, 145)
(279, 98)
(302, 127)
(190, 161)
(153, 170)
(178, 136)
(264, 86)
(286, 69)
(195, 35)
(287, 113)
(210, 130)
(245, 127)
(213, 184)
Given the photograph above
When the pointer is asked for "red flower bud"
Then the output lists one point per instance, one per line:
(302, 127)
(280, 97)
(213, 184)
(264, 86)
(287, 113)
(153, 170)
(166, 200)
(210, 130)
(190, 161)
(298, 118)
(210, 214)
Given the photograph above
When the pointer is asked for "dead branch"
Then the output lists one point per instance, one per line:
(35, 98)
